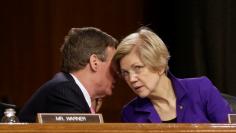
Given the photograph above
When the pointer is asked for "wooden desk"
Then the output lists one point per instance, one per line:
(117, 128)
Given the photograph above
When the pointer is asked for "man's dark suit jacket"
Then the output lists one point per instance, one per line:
(59, 95)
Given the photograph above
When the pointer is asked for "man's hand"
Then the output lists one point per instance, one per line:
(96, 104)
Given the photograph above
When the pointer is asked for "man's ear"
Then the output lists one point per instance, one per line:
(94, 62)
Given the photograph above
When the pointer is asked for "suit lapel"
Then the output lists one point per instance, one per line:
(180, 93)
(146, 110)
(80, 94)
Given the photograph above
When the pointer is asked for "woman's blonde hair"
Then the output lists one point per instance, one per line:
(149, 46)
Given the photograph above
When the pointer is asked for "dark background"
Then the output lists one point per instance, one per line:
(200, 34)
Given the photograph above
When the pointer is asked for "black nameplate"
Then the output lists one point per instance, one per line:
(69, 118)
(232, 118)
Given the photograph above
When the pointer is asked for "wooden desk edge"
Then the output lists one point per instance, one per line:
(116, 127)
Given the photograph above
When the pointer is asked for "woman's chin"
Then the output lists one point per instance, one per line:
(142, 95)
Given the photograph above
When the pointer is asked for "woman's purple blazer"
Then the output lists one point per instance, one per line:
(197, 101)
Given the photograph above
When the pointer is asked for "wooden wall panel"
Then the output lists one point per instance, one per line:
(33, 30)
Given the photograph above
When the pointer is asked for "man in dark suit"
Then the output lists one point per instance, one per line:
(86, 76)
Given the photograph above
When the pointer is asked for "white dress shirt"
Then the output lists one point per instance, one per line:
(84, 91)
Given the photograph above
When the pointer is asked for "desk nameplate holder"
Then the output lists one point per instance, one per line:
(69, 118)
(232, 118)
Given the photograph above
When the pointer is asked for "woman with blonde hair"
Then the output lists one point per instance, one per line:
(142, 61)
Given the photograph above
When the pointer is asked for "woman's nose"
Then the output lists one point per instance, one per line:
(132, 77)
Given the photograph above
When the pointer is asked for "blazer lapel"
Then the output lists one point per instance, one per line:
(147, 111)
(180, 93)
(80, 94)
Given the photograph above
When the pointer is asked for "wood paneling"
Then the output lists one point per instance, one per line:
(33, 31)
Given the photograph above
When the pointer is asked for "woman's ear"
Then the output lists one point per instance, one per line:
(94, 62)
(161, 70)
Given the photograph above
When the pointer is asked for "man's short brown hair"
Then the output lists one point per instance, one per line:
(81, 43)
